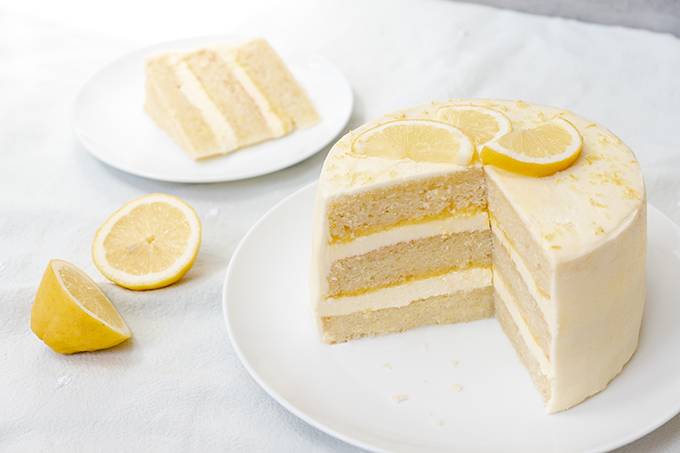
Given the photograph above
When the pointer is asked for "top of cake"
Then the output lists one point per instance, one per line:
(570, 212)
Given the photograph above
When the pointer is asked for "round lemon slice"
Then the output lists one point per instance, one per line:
(540, 151)
(149, 243)
(481, 124)
(420, 140)
(71, 314)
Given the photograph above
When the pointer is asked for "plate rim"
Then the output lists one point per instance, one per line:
(86, 143)
(281, 399)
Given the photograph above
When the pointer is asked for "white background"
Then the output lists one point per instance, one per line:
(177, 385)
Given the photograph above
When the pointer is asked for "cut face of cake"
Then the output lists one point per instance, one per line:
(213, 101)
(404, 238)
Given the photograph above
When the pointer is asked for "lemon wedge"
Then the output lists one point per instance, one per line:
(480, 124)
(71, 314)
(540, 151)
(420, 140)
(149, 243)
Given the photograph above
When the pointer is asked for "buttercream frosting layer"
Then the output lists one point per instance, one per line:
(449, 225)
(545, 304)
(401, 295)
(529, 340)
(193, 91)
(275, 123)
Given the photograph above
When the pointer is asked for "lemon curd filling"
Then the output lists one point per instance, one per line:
(412, 278)
(450, 212)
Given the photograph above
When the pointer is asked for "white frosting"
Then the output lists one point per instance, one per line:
(531, 343)
(449, 225)
(401, 295)
(274, 122)
(599, 301)
(193, 90)
(349, 173)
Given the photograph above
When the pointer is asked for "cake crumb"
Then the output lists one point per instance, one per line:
(400, 398)
(62, 381)
(455, 363)
(457, 387)
(387, 365)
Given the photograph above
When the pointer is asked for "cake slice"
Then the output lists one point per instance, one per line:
(216, 100)
(268, 79)
(181, 111)
(229, 101)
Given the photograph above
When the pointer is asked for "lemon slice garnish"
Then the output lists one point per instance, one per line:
(481, 124)
(149, 243)
(71, 314)
(419, 140)
(540, 151)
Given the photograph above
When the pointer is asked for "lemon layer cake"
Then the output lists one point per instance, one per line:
(213, 101)
(412, 228)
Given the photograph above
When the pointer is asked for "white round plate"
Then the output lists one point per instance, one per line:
(351, 390)
(110, 121)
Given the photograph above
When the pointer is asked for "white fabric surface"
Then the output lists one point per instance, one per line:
(178, 386)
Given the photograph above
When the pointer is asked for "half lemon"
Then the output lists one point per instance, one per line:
(71, 314)
(149, 243)
(420, 140)
(539, 151)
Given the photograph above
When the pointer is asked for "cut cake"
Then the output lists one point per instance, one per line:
(560, 260)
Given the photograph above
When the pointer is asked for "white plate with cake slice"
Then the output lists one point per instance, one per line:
(439, 388)
(111, 122)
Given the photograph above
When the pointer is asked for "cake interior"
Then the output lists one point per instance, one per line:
(435, 251)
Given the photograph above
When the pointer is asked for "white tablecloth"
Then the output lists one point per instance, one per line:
(178, 386)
